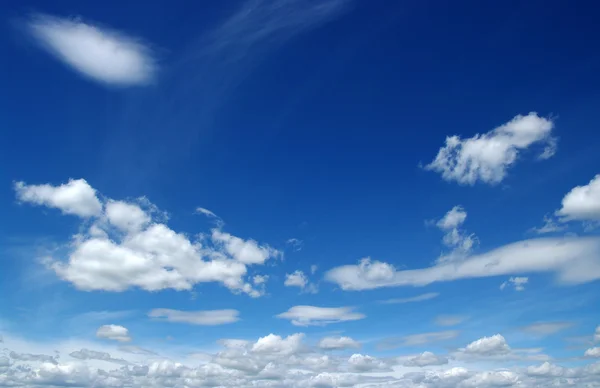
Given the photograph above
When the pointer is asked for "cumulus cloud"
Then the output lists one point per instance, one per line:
(113, 332)
(129, 245)
(592, 352)
(318, 316)
(299, 279)
(582, 203)
(550, 226)
(574, 260)
(366, 363)
(87, 354)
(99, 53)
(418, 298)
(455, 238)
(75, 197)
(204, 318)
(426, 359)
(337, 343)
(597, 334)
(517, 282)
(274, 344)
(493, 345)
(487, 157)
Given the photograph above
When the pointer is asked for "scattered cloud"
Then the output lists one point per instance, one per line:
(597, 334)
(418, 298)
(550, 226)
(27, 357)
(493, 345)
(449, 320)
(517, 282)
(113, 332)
(546, 328)
(582, 203)
(99, 53)
(299, 279)
(296, 244)
(338, 343)
(320, 316)
(574, 260)
(87, 354)
(127, 244)
(203, 318)
(592, 353)
(487, 157)
(426, 359)
(274, 344)
(455, 238)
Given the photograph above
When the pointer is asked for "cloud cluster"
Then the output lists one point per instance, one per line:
(278, 361)
(455, 238)
(126, 244)
(487, 157)
(99, 53)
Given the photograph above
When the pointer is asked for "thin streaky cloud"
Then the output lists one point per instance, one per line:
(101, 54)
(418, 298)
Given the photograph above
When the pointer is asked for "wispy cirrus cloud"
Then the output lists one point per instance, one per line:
(202, 318)
(418, 298)
(99, 53)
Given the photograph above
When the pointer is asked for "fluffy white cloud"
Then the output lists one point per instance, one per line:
(493, 345)
(582, 203)
(336, 343)
(311, 315)
(487, 157)
(426, 359)
(99, 53)
(492, 379)
(546, 369)
(299, 279)
(113, 332)
(276, 344)
(455, 238)
(597, 334)
(574, 260)
(592, 352)
(204, 318)
(365, 363)
(75, 197)
(130, 246)
(518, 282)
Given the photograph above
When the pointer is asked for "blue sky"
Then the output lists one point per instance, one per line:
(388, 194)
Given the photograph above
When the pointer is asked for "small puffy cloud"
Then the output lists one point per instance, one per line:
(366, 363)
(550, 226)
(299, 279)
(546, 369)
(260, 279)
(426, 359)
(546, 328)
(488, 346)
(453, 219)
(592, 353)
(75, 197)
(244, 251)
(317, 316)
(487, 157)
(582, 203)
(517, 282)
(418, 298)
(337, 343)
(295, 243)
(113, 332)
(492, 379)
(455, 238)
(101, 54)
(449, 320)
(274, 344)
(203, 318)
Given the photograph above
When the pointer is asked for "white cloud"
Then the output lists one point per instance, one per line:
(113, 332)
(546, 328)
(130, 246)
(597, 334)
(426, 359)
(295, 243)
(274, 344)
(127, 217)
(546, 369)
(493, 345)
(311, 315)
(487, 157)
(32, 357)
(299, 279)
(75, 197)
(204, 318)
(87, 354)
(517, 282)
(453, 219)
(101, 54)
(260, 279)
(492, 379)
(592, 352)
(574, 260)
(582, 203)
(454, 237)
(550, 226)
(418, 298)
(449, 320)
(366, 363)
(337, 343)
